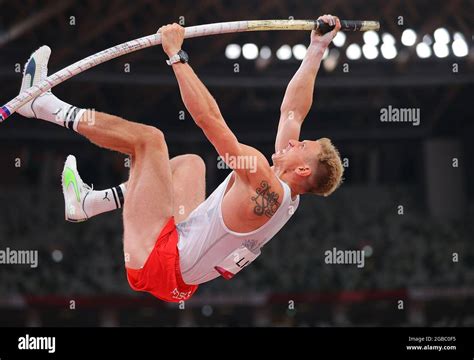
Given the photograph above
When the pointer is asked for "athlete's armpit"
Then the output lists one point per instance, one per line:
(266, 200)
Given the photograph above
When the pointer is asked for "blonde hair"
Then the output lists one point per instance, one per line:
(328, 172)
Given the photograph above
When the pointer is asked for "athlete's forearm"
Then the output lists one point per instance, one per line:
(299, 93)
(197, 99)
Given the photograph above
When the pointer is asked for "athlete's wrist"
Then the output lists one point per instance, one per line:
(180, 57)
(172, 51)
(316, 49)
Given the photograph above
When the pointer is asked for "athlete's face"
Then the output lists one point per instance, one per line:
(297, 155)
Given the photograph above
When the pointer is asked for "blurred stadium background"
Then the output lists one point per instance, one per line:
(407, 199)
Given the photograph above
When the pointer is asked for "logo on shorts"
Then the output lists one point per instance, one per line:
(175, 294)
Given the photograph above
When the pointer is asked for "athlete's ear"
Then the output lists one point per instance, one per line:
(303, 170)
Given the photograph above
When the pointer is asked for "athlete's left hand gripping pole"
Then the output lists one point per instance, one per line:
(155, 39)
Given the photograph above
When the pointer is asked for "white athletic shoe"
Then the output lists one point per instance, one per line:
(35, 71)
(75, 191)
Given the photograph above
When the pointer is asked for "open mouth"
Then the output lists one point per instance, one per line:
(283, 151)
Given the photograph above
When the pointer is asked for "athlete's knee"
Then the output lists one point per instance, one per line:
(194, 161)
(149, 136)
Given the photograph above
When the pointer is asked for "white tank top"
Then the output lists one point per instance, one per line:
(205, 241)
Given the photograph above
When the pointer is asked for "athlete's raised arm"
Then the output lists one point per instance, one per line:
(299, 93)
(197, 99)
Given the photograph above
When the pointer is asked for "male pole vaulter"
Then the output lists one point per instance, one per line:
(168, 252)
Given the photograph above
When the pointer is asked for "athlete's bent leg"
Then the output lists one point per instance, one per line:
(149, 201)
(112, 132)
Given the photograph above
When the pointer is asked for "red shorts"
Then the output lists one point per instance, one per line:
(161, 274)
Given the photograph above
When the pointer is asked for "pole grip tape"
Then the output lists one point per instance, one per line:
(4, 113)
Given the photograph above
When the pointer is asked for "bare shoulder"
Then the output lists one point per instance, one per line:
(253, 158)
(253, 167)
